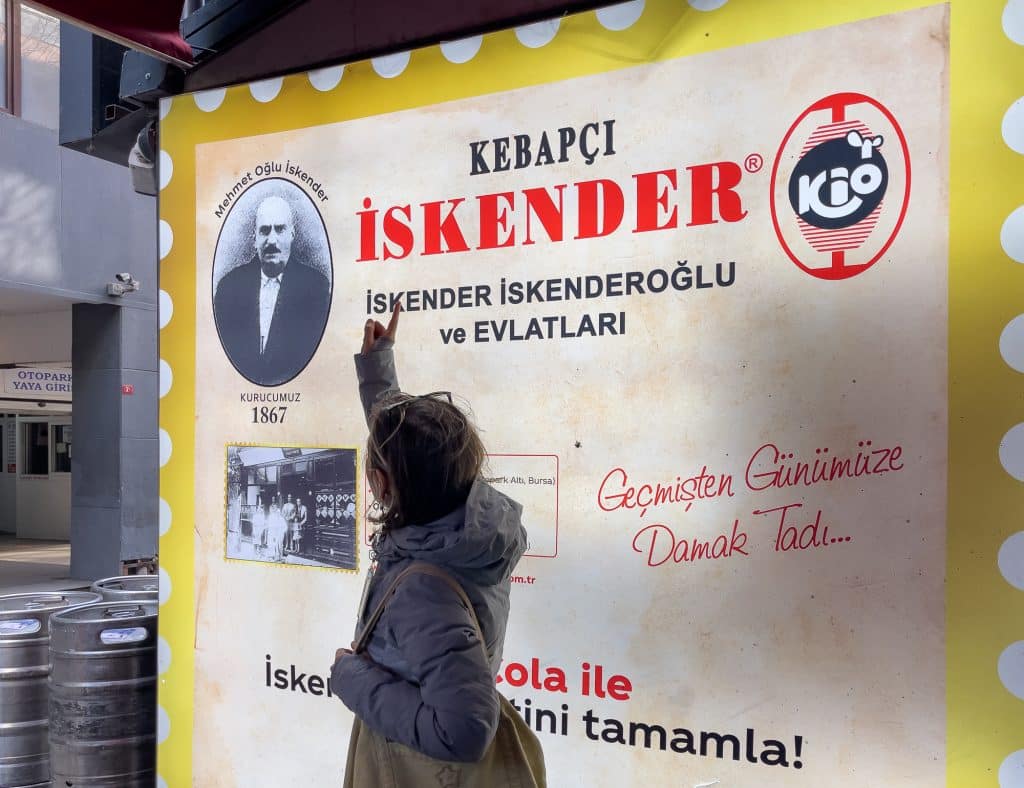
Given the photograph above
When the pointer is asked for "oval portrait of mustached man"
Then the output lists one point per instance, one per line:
(272, 281)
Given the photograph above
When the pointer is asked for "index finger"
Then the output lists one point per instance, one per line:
(392, 328)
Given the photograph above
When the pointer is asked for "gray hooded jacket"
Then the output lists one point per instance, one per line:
(423, 681)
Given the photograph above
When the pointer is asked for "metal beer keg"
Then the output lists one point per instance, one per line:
(24, 695)
(103, 695)
(128, 588)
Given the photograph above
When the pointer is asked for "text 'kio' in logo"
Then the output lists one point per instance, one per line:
(840, 186)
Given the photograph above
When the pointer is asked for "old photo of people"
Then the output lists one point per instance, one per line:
(291, 505)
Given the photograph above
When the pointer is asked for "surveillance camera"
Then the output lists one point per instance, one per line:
(126, 283)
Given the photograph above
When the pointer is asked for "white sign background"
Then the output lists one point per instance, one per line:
(841, 644)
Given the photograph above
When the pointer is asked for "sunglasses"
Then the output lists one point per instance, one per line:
(402, 399)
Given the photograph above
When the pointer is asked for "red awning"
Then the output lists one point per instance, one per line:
(147, 25)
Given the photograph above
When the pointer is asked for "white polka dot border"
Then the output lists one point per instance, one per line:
(165, 308)
(462, 50)
(1011, 343)
(165, 447)
(165, 168)
(163, 725)
(209, 100)
(1011, 452)
(621, 16)
(538, 34)
(160, 782)
(1013, 126)
(1013, 26)
(390, 66)
(165, 516)
(165, 586)
(166, 378)
(1011, 448)
(324, 79)
(266, 90)
(706, 5)
(163, 656)
(165, 106)
(166, 239)
(1012, 235)
(1011, 560)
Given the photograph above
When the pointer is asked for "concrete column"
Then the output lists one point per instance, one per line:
(114, 466)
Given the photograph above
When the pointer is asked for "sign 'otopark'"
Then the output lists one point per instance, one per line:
(730, 288)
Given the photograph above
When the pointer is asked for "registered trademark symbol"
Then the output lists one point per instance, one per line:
(753, 163)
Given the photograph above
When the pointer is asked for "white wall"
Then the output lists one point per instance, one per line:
(44, 507)
(36, 337)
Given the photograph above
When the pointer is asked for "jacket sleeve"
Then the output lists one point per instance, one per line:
(376, 373)
(449, 708)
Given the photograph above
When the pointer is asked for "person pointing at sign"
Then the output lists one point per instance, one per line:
(420, 677)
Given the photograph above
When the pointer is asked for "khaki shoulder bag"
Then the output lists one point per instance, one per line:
(513, 760)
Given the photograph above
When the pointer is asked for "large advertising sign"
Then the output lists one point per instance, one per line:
(730, 289)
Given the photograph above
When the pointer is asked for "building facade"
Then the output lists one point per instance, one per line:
(78, 408)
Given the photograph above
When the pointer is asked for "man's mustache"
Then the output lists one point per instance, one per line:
(271, 249)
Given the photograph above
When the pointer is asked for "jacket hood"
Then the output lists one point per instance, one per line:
(482, 540)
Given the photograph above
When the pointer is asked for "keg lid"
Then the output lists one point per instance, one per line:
(15, 605)
(129, 583)
(27, 614)
(107, 612)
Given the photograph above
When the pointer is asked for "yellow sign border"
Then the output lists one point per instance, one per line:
(985, 722)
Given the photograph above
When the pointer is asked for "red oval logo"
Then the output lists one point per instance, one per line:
(840, 186)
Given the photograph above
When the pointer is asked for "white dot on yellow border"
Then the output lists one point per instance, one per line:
(160, 782)
(166, 169)
(166, 378)
(165, 308)
(1011, 770)
(163, 655)
(462, 50)
(166, 239)
(1013, 23)
(538, 34)
(1011, 452)
(1012, 235)
(165, 586)
(390, 66)
(165, 516)
(1011, 668)
(209, 100)
(621, 16)
(266, 90)
(1011, 560)
(1013, 126)
(165, 447)
(706, 5)
(165, 106)
(324, 79)
(163, 725)
(1011, 343)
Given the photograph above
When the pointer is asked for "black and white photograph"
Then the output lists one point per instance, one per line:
(289, 505)
(272, 282)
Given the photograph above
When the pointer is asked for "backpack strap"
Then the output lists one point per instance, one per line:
(422, 568)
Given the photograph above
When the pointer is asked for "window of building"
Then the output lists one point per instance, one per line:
(35, 448)
(61, 443)
(29, 63)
